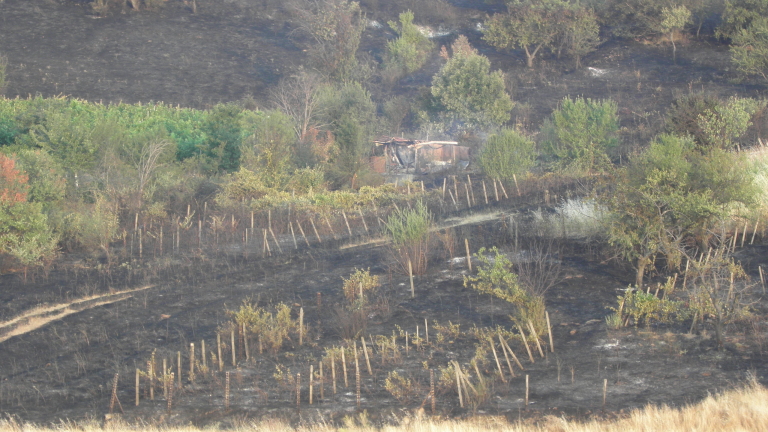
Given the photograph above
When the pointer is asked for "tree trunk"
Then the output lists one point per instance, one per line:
(529, 57)
(642, 263)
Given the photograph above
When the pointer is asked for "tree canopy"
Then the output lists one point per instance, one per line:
(466, 87)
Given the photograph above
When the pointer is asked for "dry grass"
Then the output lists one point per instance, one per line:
(37, 317)
(743, 409)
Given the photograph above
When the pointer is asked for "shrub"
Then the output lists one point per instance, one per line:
(359, 283)
(271, 328)
(582, 132)
(495, 277)
(400, 387)
(409, 51)
(409, 230)
(507, 153)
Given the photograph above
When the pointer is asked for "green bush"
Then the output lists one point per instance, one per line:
(409, 51)
(495, 276)
(409, 230)
(272, 328)
(507, 153)
(581, 133)
(466, 88)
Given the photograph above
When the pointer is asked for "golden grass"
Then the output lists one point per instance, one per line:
(744, 409)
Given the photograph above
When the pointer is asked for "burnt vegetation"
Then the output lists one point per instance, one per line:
(200, 222)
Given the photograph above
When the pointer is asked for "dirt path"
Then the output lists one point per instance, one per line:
(38, 317)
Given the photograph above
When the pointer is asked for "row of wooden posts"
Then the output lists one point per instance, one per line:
(171, 380)
(140, 233)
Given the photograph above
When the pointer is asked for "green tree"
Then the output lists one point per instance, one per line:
(739, 15)
(466, 87)
(24, 231)
(749, 48)
(581, 33)
(507, 153)
(269, 149)
(224, 136)
(582, 131)
(46, 178)
(409, 51)
(336, 27)
(528, 25)
(670, 195)
(727, 121)
(673, 20)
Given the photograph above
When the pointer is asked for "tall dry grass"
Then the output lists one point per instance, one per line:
(744, 409)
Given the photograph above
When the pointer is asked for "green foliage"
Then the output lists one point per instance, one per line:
(495, 277)
(647, 308)
(272, 328)
(739, 15)
(749, 48)
(581, 32)
(46, 179)
(224, 137)
(268, 150)
(727, 121)
(91, 226)
(67, 134)
(409, 51)
(466, 88)
(583, 131)
(24, 231)
(400, 387)
(683, 117)
(359, 283)
(673, 19)
(528, 25)
(409, 230)
(507, 153)
(671, 193)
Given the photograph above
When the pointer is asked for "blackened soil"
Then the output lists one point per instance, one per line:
(65, 369)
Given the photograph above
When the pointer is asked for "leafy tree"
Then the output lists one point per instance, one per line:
(507, 153)
(349, 164)
(671, 194)
(466, 87)
(582, 132)
(683, 116)
(581, 32)
(727, 121)
(336, 27)
(409, 51)
(739, 15)
(672, 20)
(24, 231)
(528, 25)
(749, 48)
(224, 136)
(46, 178)
(269, 149)
(66, 133)
(351, 114)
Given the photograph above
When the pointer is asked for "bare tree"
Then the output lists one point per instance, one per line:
(299, 97)
(147, 161)
(539, 267)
